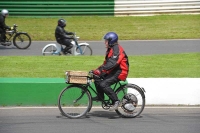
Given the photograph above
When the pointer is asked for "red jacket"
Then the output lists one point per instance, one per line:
(116, 62)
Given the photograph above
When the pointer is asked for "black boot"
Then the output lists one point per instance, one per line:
(67, 50)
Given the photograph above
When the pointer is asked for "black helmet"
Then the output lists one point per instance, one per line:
(62, 22)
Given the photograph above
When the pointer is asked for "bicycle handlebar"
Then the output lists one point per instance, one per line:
(14, 25)
(92, 75)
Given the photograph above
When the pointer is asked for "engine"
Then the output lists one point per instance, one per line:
(129, 102)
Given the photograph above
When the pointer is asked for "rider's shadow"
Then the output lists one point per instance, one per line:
(103, 114)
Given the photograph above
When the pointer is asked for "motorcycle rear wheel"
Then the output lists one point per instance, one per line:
(138, 104)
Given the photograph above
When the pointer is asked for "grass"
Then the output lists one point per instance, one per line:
(128, 28)
(170, 65)
(93, 28)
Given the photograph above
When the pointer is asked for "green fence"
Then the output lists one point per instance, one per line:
(30, 91)
(58, 8)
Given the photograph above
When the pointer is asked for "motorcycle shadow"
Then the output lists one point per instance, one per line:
(100, 114)
(7, 47)
(103, 114)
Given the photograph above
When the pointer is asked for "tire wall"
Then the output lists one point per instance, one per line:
(45, 91)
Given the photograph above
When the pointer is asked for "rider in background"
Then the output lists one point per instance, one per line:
(3, 26)
(114, 68)
(63, 37)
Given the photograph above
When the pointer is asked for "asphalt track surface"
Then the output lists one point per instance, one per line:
(139, 47)
(49, 120)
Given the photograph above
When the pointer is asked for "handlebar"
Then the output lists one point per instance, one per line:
(14, 25)
(92, 75)
(11, 31)
(77, 37)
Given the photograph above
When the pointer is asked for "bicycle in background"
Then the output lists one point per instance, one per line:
(77, 49)
(20, 39)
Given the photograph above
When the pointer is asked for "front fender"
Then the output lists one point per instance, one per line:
(84, 43)
(52, 44)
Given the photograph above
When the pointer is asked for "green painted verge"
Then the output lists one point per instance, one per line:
(33, 91)
(30, 91)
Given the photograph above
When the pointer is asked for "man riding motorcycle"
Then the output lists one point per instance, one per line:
(3, 26)
(63, 37)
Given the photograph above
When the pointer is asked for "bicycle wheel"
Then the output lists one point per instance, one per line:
(132, 101)
(50, 50)
(85, 49)
(22, 40)
(74, 101)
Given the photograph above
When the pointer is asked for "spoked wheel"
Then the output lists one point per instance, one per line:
(22, 40)
(50, 50)
(74, 102)
(84, 49)
(132, 101)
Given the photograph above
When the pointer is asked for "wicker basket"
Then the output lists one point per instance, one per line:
(78, 80)
(78, 73)
(76, 77)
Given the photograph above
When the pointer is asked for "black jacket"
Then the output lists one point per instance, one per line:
(61, 34)
(2, 23)
(116, 62)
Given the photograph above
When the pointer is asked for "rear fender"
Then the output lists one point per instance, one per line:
(58, 47)
(141, 89)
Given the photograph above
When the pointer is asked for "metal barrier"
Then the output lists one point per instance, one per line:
(99, 7)
(58, 8)
(152, 7)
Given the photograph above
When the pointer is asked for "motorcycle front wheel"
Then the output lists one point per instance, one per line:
(74, 101)
(84, 50)
(22, 40)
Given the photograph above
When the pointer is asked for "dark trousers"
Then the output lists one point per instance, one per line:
(2, 35)
(103, 86)
(68, 44)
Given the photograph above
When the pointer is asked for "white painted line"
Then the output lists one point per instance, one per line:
(156, 107)
(124, 40)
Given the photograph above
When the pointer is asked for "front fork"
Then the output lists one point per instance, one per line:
(76, 100)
